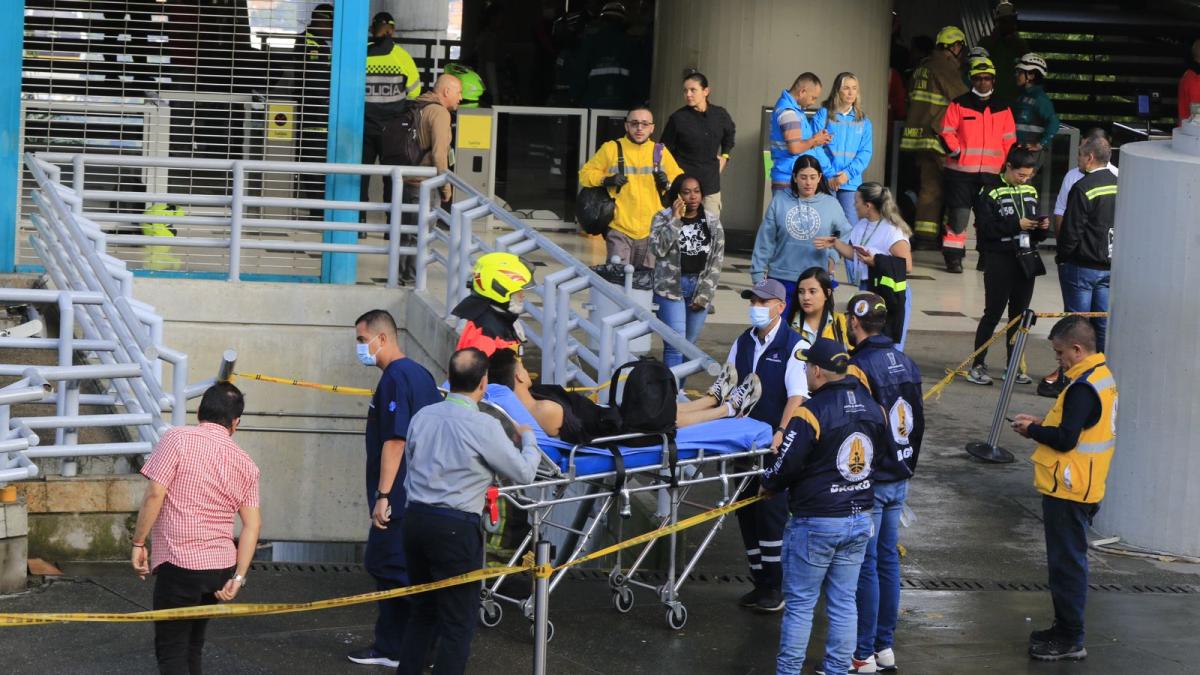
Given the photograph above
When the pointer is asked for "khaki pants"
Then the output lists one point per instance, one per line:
(930, 166)
(631, 251)
(712, 204)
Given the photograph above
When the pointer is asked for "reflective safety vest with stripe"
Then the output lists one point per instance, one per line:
(391, 76)
(935, 83)
(160, 257)
(978, 134)
(1079, 474)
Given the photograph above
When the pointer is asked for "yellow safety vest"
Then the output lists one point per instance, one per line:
(1078, 475)
(392, 77)
(160, 257)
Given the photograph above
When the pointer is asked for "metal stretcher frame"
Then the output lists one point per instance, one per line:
(540, 498)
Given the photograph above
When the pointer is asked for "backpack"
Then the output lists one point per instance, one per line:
(401, 138)
(595, 207)
(648, 400)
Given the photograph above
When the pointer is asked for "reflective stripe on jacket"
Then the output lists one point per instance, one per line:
(1079, 474)
(977, 133)
(935, 83)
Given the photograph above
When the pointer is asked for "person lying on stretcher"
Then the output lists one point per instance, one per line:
(577, 419)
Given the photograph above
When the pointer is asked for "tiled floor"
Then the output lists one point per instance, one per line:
(943, 301)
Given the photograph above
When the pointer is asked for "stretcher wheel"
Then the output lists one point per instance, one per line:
(623, 599)
(676, 617)
(490, 614)
(549, 631)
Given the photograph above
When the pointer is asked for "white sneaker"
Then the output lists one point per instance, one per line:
(743, 398)
(867, 666)
(885, 660)
(722, 388)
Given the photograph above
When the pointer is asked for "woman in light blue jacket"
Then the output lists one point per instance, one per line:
(850, 151)
(784, 245)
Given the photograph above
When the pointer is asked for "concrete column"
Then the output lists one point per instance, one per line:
(1152, 500)
(750, 51)
(14, 546)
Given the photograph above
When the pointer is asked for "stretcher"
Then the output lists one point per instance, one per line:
(605, 475)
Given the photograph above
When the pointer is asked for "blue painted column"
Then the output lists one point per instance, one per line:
(12, 14)
(347, 81)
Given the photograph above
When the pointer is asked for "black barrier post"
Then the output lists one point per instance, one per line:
(989, 451)
(541, 607)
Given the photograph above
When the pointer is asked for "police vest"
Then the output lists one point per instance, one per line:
(160, 258)
(849, 437)
(391, 76)
(1078, 475)
(895, 383)
(772, 366)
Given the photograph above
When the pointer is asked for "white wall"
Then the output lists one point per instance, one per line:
(752, 50)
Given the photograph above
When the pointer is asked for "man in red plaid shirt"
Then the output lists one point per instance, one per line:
(199, 478)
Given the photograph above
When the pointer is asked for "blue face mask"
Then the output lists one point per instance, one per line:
(760, 316)
(363, 349)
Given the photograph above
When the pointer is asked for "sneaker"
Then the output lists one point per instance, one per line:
(885, 660)
(863, 666)
(770, 600)
(725, 383)
(1038, 637)
(372, 657)
(1052, 385)
(1022, 378)
(750, 599)
(1057, 650)
(953, 266)
(979, 375)
(746, 395)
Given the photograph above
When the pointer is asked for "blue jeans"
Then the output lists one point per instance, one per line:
(821, 553)
(1086, 290)
(879, 580)
(679, 315)
(1066, 524)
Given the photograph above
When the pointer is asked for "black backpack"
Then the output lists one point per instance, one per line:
(648, 401)
(595, 207)
(401, 140)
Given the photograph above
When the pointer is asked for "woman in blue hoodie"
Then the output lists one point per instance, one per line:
(850, 151)
(784, 245)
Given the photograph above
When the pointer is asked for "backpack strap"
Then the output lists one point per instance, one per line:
(616, 380)
(658, 153)
(619, 468)
(620, 161)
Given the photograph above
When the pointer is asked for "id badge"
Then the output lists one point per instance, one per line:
(1023, 240)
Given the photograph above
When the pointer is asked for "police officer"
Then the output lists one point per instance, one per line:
(392, 78)
(1075, 444)
(770, 349)
(404, 388)
(454, 451)
(895, 384)
(313, 57)
(826, 466)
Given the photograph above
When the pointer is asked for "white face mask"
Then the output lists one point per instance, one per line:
(980, 94)
(363, 350)
(760, 316)
(516, 305)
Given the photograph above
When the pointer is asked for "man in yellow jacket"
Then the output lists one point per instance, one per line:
(1074, 452)
(637, 174)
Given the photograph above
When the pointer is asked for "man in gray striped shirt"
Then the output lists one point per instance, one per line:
(453, 453)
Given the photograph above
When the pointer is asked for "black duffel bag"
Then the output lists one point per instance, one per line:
(594, 206)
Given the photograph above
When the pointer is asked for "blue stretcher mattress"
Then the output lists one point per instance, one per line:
(719, 437)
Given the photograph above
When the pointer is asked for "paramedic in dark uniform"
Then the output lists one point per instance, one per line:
(895, 383)
(826, 466)
(454, 453)
(404, 388)
(770, 349)
(1075, 443)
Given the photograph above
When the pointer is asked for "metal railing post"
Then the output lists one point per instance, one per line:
(425, 223)
(989, 451)
(77, 182)
(235, 221)
(393, 275)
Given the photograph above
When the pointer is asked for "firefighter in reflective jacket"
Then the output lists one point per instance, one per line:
(935, 82)
(497, 298)
(160, 258)
(977, 130)
(1075, 444)
(392, 78)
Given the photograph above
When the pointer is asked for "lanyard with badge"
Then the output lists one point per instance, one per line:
(859, 265)
(459, 401)
(1019, 207)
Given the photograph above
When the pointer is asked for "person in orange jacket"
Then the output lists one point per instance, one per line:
(977, 131)
(497, 298)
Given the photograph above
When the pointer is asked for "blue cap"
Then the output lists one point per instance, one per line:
(767, 289)
(828, 355)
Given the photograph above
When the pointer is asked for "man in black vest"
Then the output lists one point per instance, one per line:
(770, 349)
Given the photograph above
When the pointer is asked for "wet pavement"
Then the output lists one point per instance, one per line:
(974, 576)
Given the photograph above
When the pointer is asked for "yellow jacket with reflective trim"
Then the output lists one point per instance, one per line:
(935, 83)
(1079, 474)
(639, 199)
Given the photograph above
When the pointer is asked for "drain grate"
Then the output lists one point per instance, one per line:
(309, 568)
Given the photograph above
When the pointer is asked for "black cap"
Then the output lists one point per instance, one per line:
(828, 355)
(383, 17)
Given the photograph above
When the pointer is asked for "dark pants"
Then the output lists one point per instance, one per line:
(373, 152)
(178, 645)
(385, 562)
(1004, 283)
(1066, 524)
(440, 544)
(312, 149)
(408, 263)
(961, 189)
(762, 526)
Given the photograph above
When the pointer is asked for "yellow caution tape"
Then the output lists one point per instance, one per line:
(263, 609)
(332, 388)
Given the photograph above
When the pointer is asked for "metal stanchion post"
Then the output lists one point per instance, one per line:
(989, 451)
(541, 608)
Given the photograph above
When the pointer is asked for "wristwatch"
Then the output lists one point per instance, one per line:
(383, 495)
(241, 579)
(780, 430)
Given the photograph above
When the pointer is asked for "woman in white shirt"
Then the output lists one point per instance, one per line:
(880, 230)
